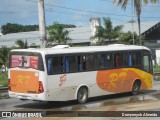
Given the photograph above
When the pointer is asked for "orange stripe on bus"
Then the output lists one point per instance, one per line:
(121, 80)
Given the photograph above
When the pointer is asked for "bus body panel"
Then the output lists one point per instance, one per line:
(24, 84)
(24, 81)
(61, 90)
(99, 83)
(121, 80)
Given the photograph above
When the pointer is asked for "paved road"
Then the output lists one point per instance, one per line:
(146, 100)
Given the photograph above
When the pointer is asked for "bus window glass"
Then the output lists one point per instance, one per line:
(49, 65)
(84, 62)
(80, 65)
(73, 61)
(58, 64)
(117, 60)
(124, 59)
(81, 62)
(129, 59)
(109, 60)
(26, 60)
(67, 64)
(146, 62)
(102, 61)
(134, 59)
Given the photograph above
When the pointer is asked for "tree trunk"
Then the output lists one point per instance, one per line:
(139, 27)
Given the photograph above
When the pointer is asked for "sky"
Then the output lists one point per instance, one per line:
(77, 12)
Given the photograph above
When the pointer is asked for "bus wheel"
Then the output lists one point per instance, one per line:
(82, 95)
(136, 87)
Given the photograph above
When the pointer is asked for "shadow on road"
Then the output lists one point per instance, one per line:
(73, 105)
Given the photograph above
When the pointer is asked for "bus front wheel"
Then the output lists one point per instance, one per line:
(82, 95)
(136, 87)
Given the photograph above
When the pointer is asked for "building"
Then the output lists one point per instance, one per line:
(82, 35)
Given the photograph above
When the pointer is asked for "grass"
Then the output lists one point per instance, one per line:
(156, 69)
(3, 79)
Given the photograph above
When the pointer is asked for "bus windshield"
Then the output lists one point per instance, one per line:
(26, 60)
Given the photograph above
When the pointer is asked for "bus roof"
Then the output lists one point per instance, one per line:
(85, 49)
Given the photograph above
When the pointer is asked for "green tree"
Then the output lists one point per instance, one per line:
(138, 7)
(14, 28)
(57, 34)
(20, 43)
(4, 55)
(107, 32)
(127, 38)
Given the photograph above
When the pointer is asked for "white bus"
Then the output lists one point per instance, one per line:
(69, 73)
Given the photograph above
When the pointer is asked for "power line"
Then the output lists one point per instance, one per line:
(132, 4)
(88, 11)
(94, 12)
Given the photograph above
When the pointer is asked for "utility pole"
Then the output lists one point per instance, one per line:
(132, 21)
(42, 23)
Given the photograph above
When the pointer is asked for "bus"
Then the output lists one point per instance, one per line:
(78, 73)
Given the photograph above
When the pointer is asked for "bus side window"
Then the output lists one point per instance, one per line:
(109, 60)
(49, 65)
(62, 64)
(80, 65)
(67, 64)
(147, 62)
(73, 63)
(57, 64)
(125, 59)
(146, 65)
(84, 62)
(117, 60)
(129, 59)
(102, 61)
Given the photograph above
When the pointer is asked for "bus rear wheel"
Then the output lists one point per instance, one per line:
(82, 95)
(136, 87)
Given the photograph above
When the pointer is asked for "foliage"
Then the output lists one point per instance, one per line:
(108, 32)
(57, 34)
(21, 44)
(4, 55)
(14, 28)
(4, 79)
(127, 38)
(138, 7)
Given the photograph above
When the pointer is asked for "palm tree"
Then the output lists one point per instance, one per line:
(4, 54)
(138, 7)
(57, 34)
(107, 32)
(20, 43)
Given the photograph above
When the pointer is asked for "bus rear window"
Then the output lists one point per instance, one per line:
(30, 60)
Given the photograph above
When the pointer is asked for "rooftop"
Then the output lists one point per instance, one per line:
(77, 35)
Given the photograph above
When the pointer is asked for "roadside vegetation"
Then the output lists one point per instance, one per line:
(156, 71)
(3, 79)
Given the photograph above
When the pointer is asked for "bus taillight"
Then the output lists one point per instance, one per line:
(40, 88)
(9, 86)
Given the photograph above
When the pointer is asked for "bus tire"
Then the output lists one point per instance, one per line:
(82, 95)
(136, 87)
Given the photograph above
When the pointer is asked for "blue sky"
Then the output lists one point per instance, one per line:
(26, 12)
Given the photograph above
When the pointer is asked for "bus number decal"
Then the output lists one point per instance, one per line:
(117, 76)
(62, 79)
(22, 78)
